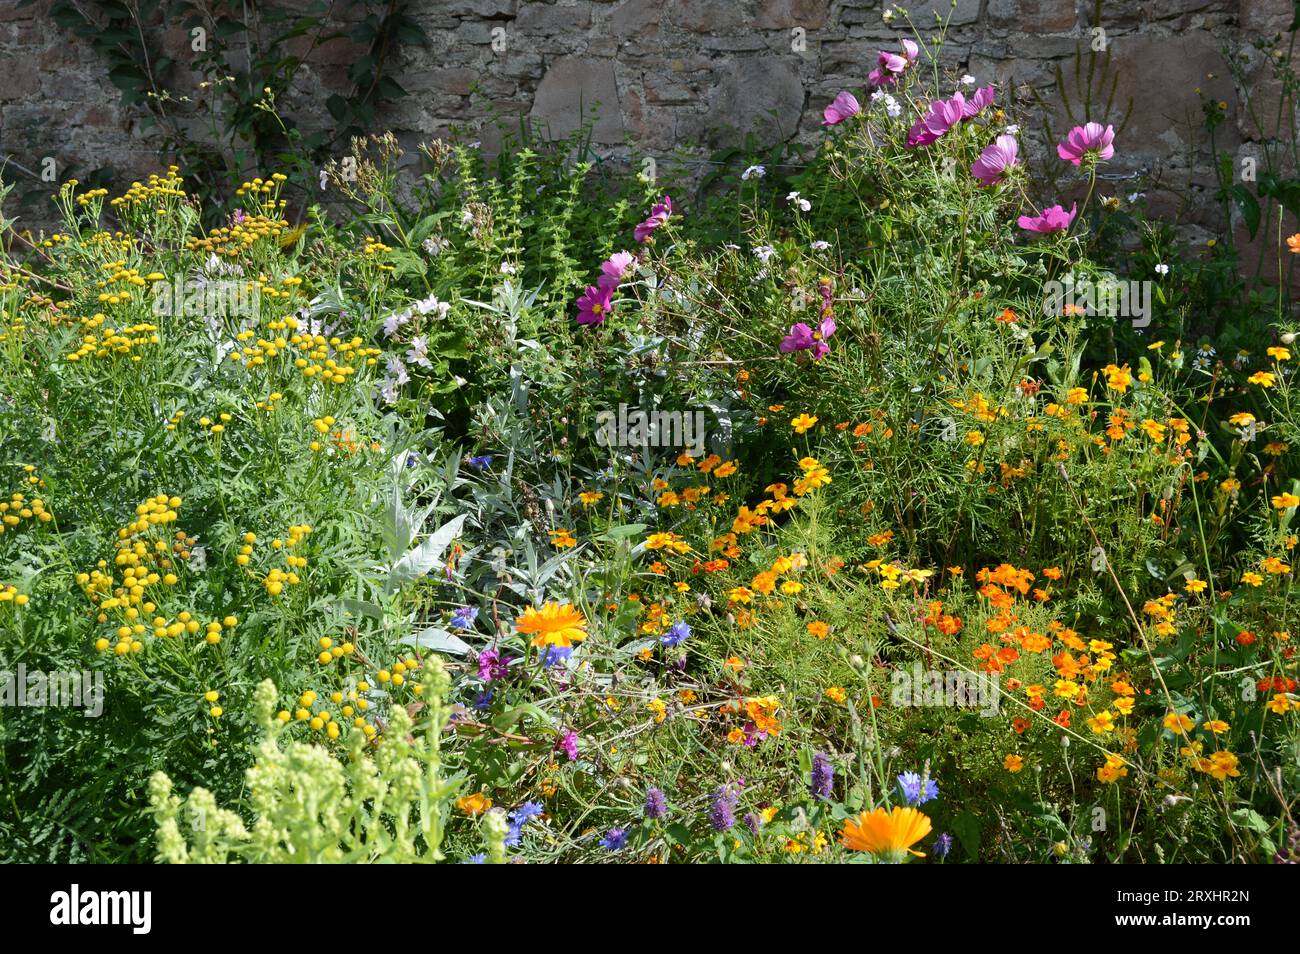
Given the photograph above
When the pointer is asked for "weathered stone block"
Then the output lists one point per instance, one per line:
(575, 90)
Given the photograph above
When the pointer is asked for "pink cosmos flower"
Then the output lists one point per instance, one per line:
(996, 160)
(658, 216)
(842, 107)
(979, 99)
(595, 304)
(612, 268)
(1055, 219)
(1092, 137)
(941, 116)
(890, 66)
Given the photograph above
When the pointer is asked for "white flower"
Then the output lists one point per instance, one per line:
(820, 245)
(764, 252)
(967, 80)
(395, 321)
(1012, 130)
(397, 370)
(431, 306)
(509, 268)
(1162, 269)
(419, 353)
(434, 245)
(891, 105)
(324, 180)
(753, 171)
(795, 199)
(1134, 196)
(389, 391)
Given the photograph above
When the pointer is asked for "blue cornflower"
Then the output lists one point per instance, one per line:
(481, 463)
(615, 839)
(916, 790)
(555, 655)
(520, 817)
(463, 616)
(475, 860)
(676, 635)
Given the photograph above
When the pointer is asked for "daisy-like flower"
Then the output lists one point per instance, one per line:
(888, 836)
(795, 199)
(803, 423)
(753, 172)
(555, 624)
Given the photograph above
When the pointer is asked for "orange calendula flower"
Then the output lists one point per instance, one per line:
(888, 836)
(819, 629)
(1293, 243)
(562, 539)
(1013, 763)
(475, 804)
(555, 624)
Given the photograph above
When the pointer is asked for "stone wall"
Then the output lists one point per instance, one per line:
(659, 76)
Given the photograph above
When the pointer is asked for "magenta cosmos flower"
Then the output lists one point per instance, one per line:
(1089, 138)
(842, 107)
(941, 116)
(595, 304)
(979, 99)
(890, 66)
(1055, 219)
(996, 160)
(658, 216)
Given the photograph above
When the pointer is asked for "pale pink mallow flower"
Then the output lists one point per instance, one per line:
(842, 107)
(1089, 138)
(1055, 219)
(998, 158)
